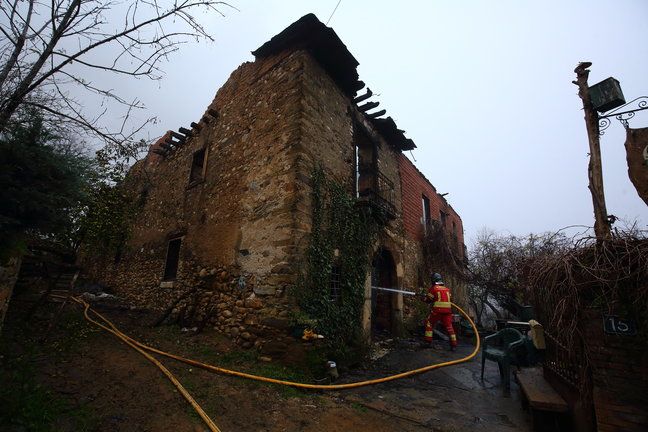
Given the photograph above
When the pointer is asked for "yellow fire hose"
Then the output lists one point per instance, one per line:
(141, 348)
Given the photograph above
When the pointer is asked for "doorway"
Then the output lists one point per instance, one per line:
(383, 274)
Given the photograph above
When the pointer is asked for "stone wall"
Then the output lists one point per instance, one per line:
(238, 219)
(331, 125)
(244, 227)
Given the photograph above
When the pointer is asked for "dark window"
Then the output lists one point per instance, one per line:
(334, 284)
(426, 210)
(444, 217)
(118, 255)
(197, 165)
(172, 258)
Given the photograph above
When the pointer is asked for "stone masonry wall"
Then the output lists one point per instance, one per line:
(236, 225)
(329, 119)
(245, 226)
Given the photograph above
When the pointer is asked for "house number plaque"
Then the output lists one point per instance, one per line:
(615, 325)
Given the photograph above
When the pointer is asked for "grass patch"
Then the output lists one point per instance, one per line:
(359, 407)
(26, 405)
(74, 332)
(280, 372)
(247, 361)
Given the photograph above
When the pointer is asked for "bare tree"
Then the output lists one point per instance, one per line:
(499, 267)
(48, 49)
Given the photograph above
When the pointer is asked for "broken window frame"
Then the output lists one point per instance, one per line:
(427, 215)
(198, 167)
(172, 259)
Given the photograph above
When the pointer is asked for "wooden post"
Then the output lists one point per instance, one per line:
(595, 170)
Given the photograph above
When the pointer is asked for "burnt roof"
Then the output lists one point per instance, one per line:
(388, 129)
(324, 44)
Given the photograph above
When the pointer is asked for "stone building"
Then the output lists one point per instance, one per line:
(225, 206)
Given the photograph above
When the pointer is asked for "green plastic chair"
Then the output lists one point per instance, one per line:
(502, 347)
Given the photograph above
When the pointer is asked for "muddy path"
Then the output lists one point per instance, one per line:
(76, 377)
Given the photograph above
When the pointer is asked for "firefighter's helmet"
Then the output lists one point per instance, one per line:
(436, 278)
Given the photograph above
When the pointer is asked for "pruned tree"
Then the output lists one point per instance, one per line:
(50, 49)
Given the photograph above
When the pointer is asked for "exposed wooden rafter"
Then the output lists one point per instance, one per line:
(363, 97)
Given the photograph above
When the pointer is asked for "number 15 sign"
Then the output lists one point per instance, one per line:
(615, 325)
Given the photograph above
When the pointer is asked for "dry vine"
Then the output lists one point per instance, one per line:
(611, 276)
(441, 255)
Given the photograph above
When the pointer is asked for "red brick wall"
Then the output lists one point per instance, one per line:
(414, 185)
(620, 377)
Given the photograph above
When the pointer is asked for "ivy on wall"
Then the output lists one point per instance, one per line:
(341, 238)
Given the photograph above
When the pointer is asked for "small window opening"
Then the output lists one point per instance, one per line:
(197, 165)
(444, 217)
(334, 284)
(426, 210)
(118, 256)
(172, 259)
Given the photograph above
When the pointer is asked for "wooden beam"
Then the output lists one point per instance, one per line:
(179, 137)
(365, 96)
(196, 126)
(212, 112)
(369, 105)
(185, 131)
(373, 115)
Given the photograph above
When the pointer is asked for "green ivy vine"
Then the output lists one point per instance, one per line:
(342, 236)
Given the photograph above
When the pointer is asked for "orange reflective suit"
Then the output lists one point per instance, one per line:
(439, 296)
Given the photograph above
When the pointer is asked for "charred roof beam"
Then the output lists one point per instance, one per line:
(179, 137)
(376, 114)
(369, 105)
(363, 97)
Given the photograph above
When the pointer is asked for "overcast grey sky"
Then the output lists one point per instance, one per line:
(482, 87)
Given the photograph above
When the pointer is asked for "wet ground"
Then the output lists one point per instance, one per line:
(63, 374)
(448, 399)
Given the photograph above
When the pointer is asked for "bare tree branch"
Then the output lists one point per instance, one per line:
(65, 38)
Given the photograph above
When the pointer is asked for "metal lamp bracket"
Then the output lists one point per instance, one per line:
(604, 121)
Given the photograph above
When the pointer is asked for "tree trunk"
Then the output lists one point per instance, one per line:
(594, 170)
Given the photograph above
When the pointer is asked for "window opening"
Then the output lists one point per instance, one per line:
(172, 259)
(197, 165)
(426, 210)
(334, 284)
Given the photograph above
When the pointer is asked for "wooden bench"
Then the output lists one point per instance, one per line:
(548, 408)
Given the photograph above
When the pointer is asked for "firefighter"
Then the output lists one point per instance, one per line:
(439, 296)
